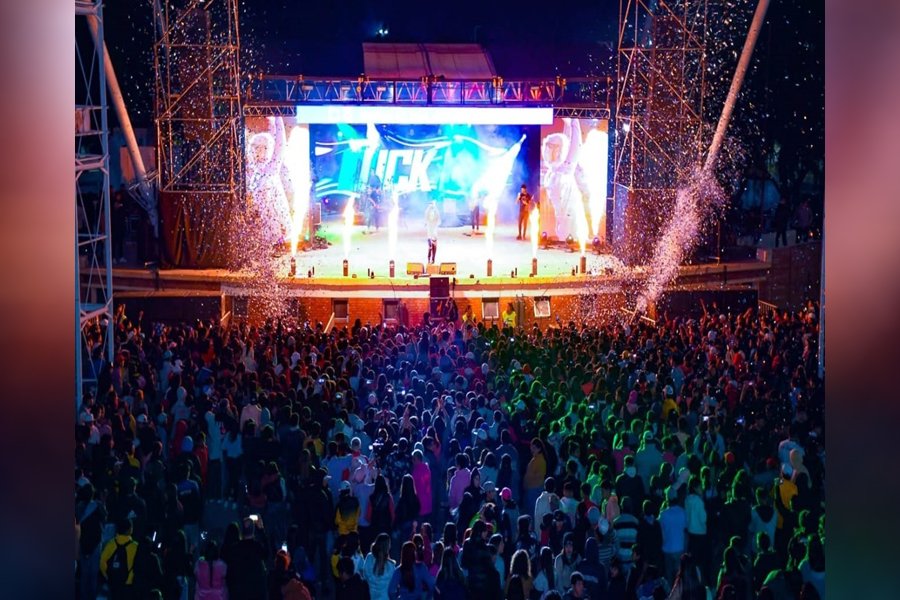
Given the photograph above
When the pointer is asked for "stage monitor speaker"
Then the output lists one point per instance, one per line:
(391, 310)
(415, 268)
(490, 308)
(439, 287)
(448, 268)
(341, 308)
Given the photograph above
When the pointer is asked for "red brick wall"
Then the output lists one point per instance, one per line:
(369, 310)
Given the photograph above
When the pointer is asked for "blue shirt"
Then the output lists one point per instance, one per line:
(424, 584)
(673, 522)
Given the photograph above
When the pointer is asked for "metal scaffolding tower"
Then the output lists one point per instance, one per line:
(198, 100)
(94, 345)
(661, 69)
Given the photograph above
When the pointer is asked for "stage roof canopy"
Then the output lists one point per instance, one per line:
(413, 61)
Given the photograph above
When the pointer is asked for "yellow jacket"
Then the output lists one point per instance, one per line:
(130, 552)
(536, 472)
(346, 525)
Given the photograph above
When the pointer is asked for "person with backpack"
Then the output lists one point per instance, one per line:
(117, 562)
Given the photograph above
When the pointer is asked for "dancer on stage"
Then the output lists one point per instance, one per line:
(475, 208)
(525, 202)
(432, 221)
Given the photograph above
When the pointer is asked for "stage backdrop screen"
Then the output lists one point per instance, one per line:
(574, 167)
(334, 162)
(417, 163)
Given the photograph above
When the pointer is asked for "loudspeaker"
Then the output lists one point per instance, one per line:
(439, 287)
(432, 269)
(448, 269)
(415, 268)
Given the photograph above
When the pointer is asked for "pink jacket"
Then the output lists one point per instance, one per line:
(210, 584)
(421, 475)
(458, 484)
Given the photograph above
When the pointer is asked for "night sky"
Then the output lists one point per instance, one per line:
(779, 120)
(323, 38)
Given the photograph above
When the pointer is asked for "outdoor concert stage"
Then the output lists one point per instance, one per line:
(186, 294)
(457, 245)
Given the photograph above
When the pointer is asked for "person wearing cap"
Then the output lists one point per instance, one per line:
(346, 513)
(558, 529)
(669, 405)
(509, 516)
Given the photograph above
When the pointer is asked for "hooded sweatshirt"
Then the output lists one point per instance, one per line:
(595, 579)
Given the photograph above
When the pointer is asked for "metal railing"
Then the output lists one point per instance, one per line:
(766, 309)
(429, 91)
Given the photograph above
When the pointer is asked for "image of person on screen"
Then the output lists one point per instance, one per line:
(265, 178)
(525, 202)
(432, 222)
(560, 173)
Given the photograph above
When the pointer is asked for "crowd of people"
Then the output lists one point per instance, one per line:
(678, 459)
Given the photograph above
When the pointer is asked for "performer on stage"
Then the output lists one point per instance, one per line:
(525, 202)
(373, 198)
(475, 208)
(432, 221)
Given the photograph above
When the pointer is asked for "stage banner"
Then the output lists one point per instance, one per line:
(574, 172)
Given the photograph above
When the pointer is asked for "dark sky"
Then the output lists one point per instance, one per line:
(323, 38)
(525, 39)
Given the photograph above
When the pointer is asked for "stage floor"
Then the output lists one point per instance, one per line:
(460, 245)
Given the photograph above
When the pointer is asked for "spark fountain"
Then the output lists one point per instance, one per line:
(393, 220)
(535, 229)
(348, 232)
(581, 226)
(490, 205)
(696, 199)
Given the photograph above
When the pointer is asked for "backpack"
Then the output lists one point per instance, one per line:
(117, 569)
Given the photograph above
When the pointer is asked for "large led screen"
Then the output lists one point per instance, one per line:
(574, 163)
(291, 163)
(419, 163)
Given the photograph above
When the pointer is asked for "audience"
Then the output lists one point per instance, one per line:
(619, 461)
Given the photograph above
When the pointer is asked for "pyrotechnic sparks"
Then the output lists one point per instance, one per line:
(694, 203)
(393, 218)
(581, 227)
(535, 230)
(348, 226)
(490, 205)
(298, 166)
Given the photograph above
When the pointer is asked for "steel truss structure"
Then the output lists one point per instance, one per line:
(198, 98)
(278, 90)
(94, 345)
(661, 75)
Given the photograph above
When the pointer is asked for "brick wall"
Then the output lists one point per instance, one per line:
(369, 310)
